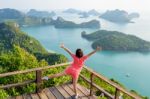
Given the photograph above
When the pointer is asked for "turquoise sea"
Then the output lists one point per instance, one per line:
(115, 65)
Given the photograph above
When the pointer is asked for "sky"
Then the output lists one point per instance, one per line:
(129, 5)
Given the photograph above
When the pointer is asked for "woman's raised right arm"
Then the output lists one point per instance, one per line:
(66, 49)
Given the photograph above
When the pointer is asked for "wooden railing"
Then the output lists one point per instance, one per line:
(38, 79)
(116, 86)
(93, 74)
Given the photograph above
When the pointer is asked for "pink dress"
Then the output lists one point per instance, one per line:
(76, 66)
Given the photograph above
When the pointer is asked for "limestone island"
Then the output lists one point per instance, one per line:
(119, 16)
(61, 23)
(117, 41)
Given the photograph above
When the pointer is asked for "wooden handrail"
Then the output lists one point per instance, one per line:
(17, 84)
(33, 70)
(93, 74)
(38, 76)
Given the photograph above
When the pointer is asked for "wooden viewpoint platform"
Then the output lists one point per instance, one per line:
(64, 91)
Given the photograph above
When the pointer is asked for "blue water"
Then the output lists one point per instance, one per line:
(111, 64)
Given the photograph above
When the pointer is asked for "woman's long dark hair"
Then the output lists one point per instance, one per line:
(79, 53)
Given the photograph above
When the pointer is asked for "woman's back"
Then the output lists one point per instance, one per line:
(78, 62)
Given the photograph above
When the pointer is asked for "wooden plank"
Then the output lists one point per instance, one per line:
(19, 97)
(81, 95)
(68, 89)
(35, 96)
(17, 84)
(84, 97)
(42, 95)
(49, 93)
(27, 96)
(93, 97)
(57, 94)
(86, 92)
(11, 98)
(63, 92)
(83, 89)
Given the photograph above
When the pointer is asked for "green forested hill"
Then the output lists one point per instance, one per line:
(8, 13)
(11, 35)
(33, 18)
(18, 51)
(117, 41)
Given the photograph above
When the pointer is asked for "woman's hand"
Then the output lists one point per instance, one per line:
(66, 49)
(62, 45)
(94, 51)
(98, 48)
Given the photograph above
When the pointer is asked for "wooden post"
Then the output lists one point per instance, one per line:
(72, 80)
(38, 80)
(91, 84)
(117, 92)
